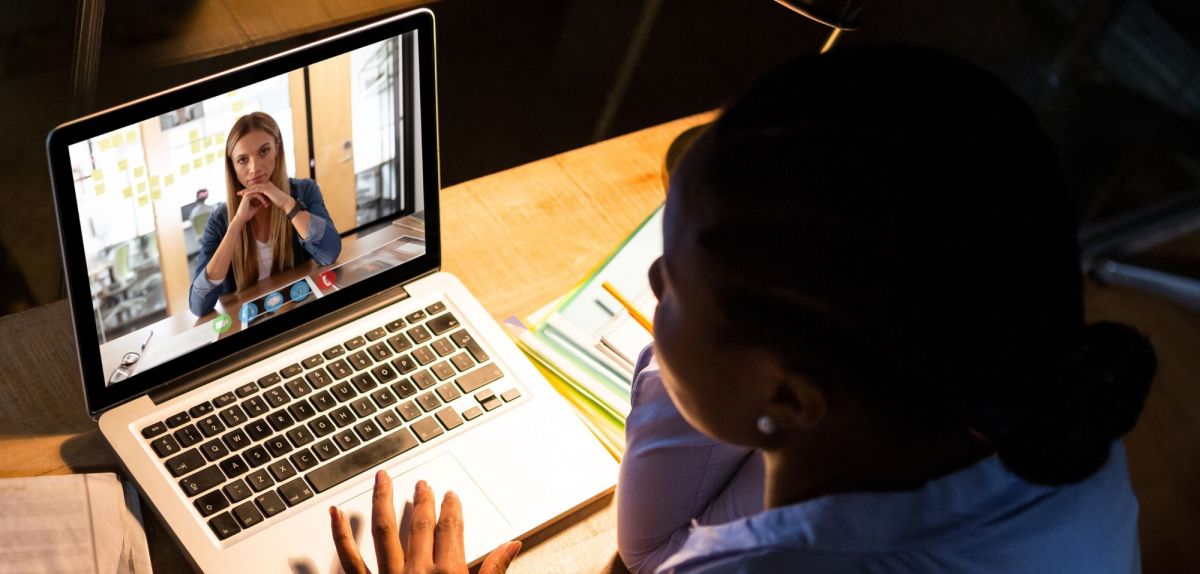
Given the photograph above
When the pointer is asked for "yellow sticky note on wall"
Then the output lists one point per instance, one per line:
(155, 194)
(99, 188)
(143, 200)
(117, 140)
(185, 168)
(97, 175)
(123, 165)
(139, 171)
(210, 157)
(130, 136)
(220, 137)
(105, 144)
(198, 163)
(237, 106)
(196, 147)
(154, 181)
(169, 179)
(127, 192)
(141, 187)
(193, 135)
(208, 141)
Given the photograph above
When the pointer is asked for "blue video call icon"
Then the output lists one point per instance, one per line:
(299, 291)
(273, 301)
(248, 312)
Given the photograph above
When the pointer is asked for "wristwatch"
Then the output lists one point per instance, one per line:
(296, 209)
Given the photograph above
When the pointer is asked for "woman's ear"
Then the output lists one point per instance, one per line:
(798, 404)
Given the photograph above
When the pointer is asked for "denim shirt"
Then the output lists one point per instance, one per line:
(322, 245)
(980, 519)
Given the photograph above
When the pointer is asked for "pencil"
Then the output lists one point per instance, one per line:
(633, 312)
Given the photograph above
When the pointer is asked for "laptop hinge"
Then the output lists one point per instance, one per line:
(273, 346)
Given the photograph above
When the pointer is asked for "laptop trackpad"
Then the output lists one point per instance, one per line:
(484, 527)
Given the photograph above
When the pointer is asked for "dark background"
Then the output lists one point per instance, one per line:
(1115, 82)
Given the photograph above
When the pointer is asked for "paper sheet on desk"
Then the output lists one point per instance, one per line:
(71, 523)
(163, 349)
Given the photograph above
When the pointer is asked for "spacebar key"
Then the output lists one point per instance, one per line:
(357, 461)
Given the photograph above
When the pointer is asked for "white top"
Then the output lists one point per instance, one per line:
(264, 258)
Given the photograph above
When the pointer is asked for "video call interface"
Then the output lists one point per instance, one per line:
(154, 202)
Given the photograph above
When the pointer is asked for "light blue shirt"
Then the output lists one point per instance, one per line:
(980, 519)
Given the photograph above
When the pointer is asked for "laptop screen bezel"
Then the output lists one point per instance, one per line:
(101, 397)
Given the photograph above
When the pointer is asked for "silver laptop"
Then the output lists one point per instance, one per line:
(244, 415)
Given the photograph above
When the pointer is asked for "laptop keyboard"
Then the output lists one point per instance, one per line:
(252, 453)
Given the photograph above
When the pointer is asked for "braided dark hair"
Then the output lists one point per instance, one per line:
(893, 220)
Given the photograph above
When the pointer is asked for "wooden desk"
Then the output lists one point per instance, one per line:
(517, 239)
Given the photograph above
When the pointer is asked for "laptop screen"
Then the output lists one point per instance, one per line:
(202, 220)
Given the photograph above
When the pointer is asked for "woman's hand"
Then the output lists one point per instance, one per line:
(269, 193)
(248, 207)
(432, 546)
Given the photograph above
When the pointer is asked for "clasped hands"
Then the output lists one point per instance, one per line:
(261, 196)
(435, 543)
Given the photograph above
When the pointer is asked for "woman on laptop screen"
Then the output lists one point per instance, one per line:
(270, 222)
(870, 349)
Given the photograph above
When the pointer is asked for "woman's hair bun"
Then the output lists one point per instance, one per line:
(1063, 432)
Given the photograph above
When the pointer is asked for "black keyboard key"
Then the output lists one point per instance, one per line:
(259, 480)
(298, 388)
(423, 356)
(355, 343)
(384, 398)
(428, 401)
(300, 435)
(367, 430)
(343, 391)
(442, 324)
(472, 413)
(462, 362)
(225, 400)
(256, 456)
(362, 406)
(360, 360)
(188, 436)
(339, 369)
(363, 382)
(258, 429)
(318, 377)
(277, 397)
(322, 426)
(280, 420)
(282, 469)
(449, 418)
(476, 379)
(272, 379)
(211, 503)
(255, 407)
(334, 352)
(211, 426)
(184, 463)
(278, 446)
(323, 401)
(416, 317)
(270, 503)
(448, 392)
(200, 410)
(408, 410)
(424, 380)
(234, 466)
(435, 308)
(346, 439)
(379, 351)
(301, 410)
(376, 334)
(290, 371)
(304, 460)
(399, 343)
(419, 334)
(248, 389)
(325, 449)
(247, 515)
(443, 347)
(388, 420)
(404, 389)
(465, 341)
(404, 364)
(356, 462)
(224, 526)
(394, 326)
(342, 416)
(202, 481)
(177, 419)
(510, 395)
(154, 430)
(295, 492)
(165, 446)
(385, 373)
(427, 429)
(214, 449)
(236, 440)
(443, 370)
(237, 491)
(233, 416)
(312, 361)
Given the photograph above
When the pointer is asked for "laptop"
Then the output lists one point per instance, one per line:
(242, 420)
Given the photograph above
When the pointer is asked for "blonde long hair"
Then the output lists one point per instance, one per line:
(245, 258)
